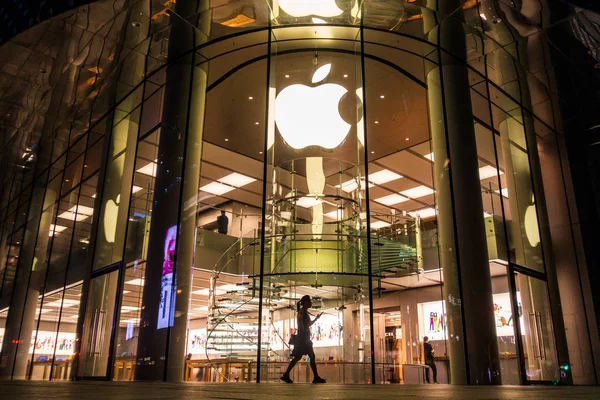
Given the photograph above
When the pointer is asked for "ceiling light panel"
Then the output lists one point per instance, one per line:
(149, 169)
(488, 172)
(237, 180)
(56, 229)
(383, 176)
(416, 192)
(423, 213)
(391, 199)
(379, 224)
(307, 202)
(217, 188)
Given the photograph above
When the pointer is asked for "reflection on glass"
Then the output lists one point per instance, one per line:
(539, 348)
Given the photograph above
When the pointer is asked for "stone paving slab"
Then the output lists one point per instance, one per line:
(271, 391)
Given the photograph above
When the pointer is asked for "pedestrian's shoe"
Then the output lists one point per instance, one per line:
(286, 379)
(318, 379)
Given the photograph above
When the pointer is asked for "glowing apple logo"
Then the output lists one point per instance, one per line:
(304, 8)
(309, 116)
(531, 225)
(111, 212)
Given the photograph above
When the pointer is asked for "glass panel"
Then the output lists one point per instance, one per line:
(517, 195)
(98, 322)
(117, 185)
(535, 320)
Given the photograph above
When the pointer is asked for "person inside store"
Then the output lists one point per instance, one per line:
(429, 359)
(222, 223)
(301, 341)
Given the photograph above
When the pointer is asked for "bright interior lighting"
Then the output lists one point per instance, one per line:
(504, 192)
(229, 288)
(206, 292)
(149, 169)
(65, 303)
(379, 224)
(321, 73)
(217, 188)
(423, 213)
(429, 156)
(307, 202)
(227, 184)
(56, 229)
(487, 214)
(483, 17)
(304, 8)
(416, 192)
(318, 21)
(203, 308)
(391, 199)
(136, 282)
(383, 176)
(309, 116)
(488, 171)
(237, 180)
(77, 213)
(335, 214)
(352, 185)
(129, 308)
(135, 189)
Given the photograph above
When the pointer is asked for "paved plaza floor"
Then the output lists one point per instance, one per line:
(268, 391)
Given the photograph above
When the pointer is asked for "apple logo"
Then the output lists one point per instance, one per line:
(531, 224)
(309, 116)
(111, 212)
(304, 8)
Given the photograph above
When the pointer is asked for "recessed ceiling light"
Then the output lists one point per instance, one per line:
(287, 76)
(372, 152)
(379, 224)
(260, 152)
(77, 213)
(416, 192)
(135, 282)
(227, 140)
(256, 123)
(376, 122)
(250, 98)
(345, 75)
(383, 176)
(307, 202)
(237, 180)
(382, 97)
(136, 24)
(391, 199)
(488, 171)
(55, 230)
(335, 214)
(423, 213)
(216, 188)
(406, 139)
(148, 169)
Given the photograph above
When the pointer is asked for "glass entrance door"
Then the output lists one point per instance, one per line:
(537, 332)
(98, 326)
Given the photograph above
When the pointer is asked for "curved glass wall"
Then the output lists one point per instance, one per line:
(235, 158)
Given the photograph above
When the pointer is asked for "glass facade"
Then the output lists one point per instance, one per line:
(202, 167)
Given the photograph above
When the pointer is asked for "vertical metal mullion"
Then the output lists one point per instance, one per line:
(367, 197)
(264, 203)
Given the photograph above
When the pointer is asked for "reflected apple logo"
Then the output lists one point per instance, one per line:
(309, 116)
(531, 224)
(111, 212)
(304, 8)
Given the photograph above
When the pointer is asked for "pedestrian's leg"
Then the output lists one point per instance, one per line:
(427, 373)
(292, 364)
(313, 363)
(434, 368)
